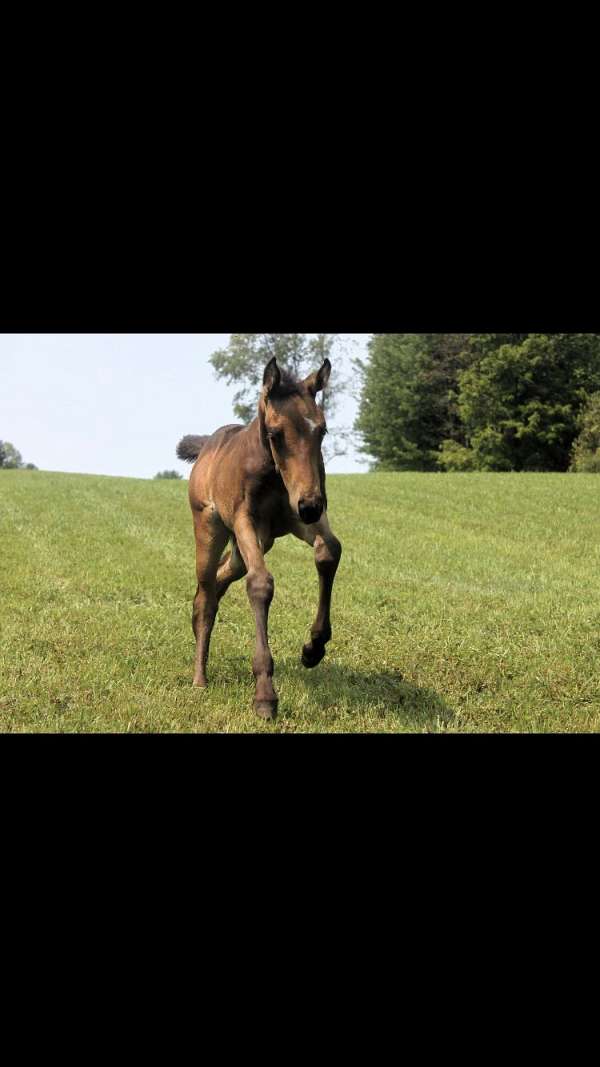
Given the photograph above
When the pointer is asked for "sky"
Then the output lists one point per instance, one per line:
(118, 404)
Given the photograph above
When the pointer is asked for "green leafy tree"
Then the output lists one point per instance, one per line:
(586, 450)
(408, 402)
(442, 358)
(10, 457)
(521, 396)
(386, 419)
(243, 361)
(168, 474)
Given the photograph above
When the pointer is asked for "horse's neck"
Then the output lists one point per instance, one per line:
(252, 440)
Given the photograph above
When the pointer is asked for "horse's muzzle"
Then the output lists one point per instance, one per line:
(310, 511)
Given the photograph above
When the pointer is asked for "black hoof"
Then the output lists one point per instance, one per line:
(312, 655)
(266, 709)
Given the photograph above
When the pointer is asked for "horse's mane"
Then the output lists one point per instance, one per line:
(287, 386)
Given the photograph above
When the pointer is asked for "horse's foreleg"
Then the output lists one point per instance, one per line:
(260, 587)
(328, 551)
(211, 537)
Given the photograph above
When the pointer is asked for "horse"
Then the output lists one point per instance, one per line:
(250, 485)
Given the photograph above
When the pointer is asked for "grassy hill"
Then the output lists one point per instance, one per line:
(463, 603)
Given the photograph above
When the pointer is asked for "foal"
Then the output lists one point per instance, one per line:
(250, 485)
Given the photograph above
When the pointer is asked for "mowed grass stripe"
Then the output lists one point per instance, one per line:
(463, 602)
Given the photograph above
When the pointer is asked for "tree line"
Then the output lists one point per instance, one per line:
(437, 402)
(487, 402)
(446, 402)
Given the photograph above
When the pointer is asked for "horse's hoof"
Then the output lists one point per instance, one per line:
(200, 683)
(312, 655)
(266, 709)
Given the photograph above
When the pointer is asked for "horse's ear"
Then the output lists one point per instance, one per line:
(317, 381)
(271, 379)
(272, 376)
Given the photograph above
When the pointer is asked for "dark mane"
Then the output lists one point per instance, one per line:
(288, 386)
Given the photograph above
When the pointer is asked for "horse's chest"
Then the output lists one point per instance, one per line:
(272, 511)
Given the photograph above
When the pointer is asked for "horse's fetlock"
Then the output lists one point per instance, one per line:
(263, 665)
(322, 635)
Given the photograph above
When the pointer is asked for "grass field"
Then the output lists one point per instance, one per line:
(463, 603)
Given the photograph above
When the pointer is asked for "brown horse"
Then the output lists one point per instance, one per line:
(250, 485)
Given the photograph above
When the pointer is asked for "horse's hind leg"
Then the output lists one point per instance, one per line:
(231, 569)
(328, 551)
(211, 538)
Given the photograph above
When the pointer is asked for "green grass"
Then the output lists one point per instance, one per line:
(463, 603)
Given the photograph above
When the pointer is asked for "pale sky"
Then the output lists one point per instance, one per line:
(119, 403)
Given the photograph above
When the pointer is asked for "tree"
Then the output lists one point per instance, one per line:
(442, 358)
(521, 396)
(10, 457)
(409, 398)
(243, 361)
(386, 417)
(475, 402)
(586, 450)
(168, 474)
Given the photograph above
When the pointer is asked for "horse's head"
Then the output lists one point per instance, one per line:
(292, 427)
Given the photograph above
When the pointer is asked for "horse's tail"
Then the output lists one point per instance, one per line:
(190, 447)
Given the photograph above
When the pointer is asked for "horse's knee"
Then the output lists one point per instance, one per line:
(260, 586)
(328, 552)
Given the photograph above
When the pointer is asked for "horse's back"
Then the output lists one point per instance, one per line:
(220, 437)
(192, 446)
(208, 467)
(227, 431)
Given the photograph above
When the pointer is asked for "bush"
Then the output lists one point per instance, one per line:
(168, 474)
(585, 457)
(455, 457)
(587, 463)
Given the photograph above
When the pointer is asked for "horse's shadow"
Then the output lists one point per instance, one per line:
(385, 695)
